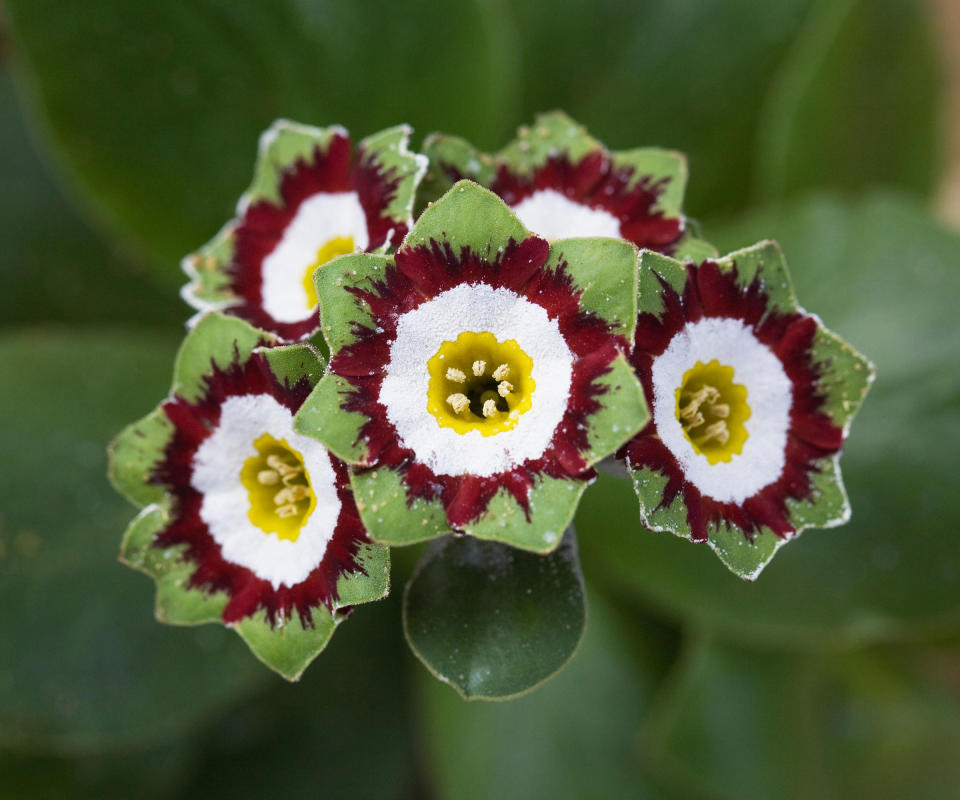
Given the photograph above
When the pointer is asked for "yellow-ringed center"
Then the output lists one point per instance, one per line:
(479, 383)
(337, 246)
(711, 409)
(281, 499)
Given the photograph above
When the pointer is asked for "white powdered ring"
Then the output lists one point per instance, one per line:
(553, 216)
(318, 220)
(226, 503)
(769, 396)
(507, 316)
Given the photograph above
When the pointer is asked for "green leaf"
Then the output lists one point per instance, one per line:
(346, 726)
(829, 119)
(705, 105)
(592, 709)
(492, 621)
(882, 274)
(54, 267)
(86, 665)
(740, 723)
(155, 111)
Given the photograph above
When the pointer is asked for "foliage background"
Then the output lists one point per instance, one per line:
(127, 130)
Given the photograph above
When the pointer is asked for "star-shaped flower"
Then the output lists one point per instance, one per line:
(245, 521)
(476, 376)
(751, 400)
(311, 200)
(563, 183)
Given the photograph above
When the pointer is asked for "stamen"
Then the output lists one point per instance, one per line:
(504, 388)
(721, 410)
(268, 477)
(459, 401)
(479, 367)
(718, 431)
(705, 394)
(282, 466)
(501, 373)
(456, 375)
(286, 511)
(490, 409)
(291, 494)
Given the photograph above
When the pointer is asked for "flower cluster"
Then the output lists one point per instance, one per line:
(357, 379)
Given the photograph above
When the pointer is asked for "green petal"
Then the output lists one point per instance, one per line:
(551, 134)
(492, 621)
(389, 150)
(287, 647)
(468, 216)
(844, 376)
(551, 503)
(215, 338)
(657, 164)
(176, 603)
(322, 416)
(764, 262)
(340, 311)
(622, 414)
(452, 158)
(388, 515)
(605, 272)
(134, 455)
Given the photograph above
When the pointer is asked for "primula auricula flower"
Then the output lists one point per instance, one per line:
(476, 376)
(245, 520)
(751, 400)
(563, 183)
(311, 200)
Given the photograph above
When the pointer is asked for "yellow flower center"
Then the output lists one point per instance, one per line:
(281, 499)
(337, 246)
(479, 383)
(711, 409)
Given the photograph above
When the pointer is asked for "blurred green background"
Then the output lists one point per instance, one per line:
(127, 131)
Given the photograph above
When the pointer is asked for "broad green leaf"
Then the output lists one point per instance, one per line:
(154, 774)
(857, 102)
(572, 738)
(155, 110)
(86, 664)
(883, 275)
(493, 621)
(345, 731)
(53, 266)
(751, 724)
(690, 77)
